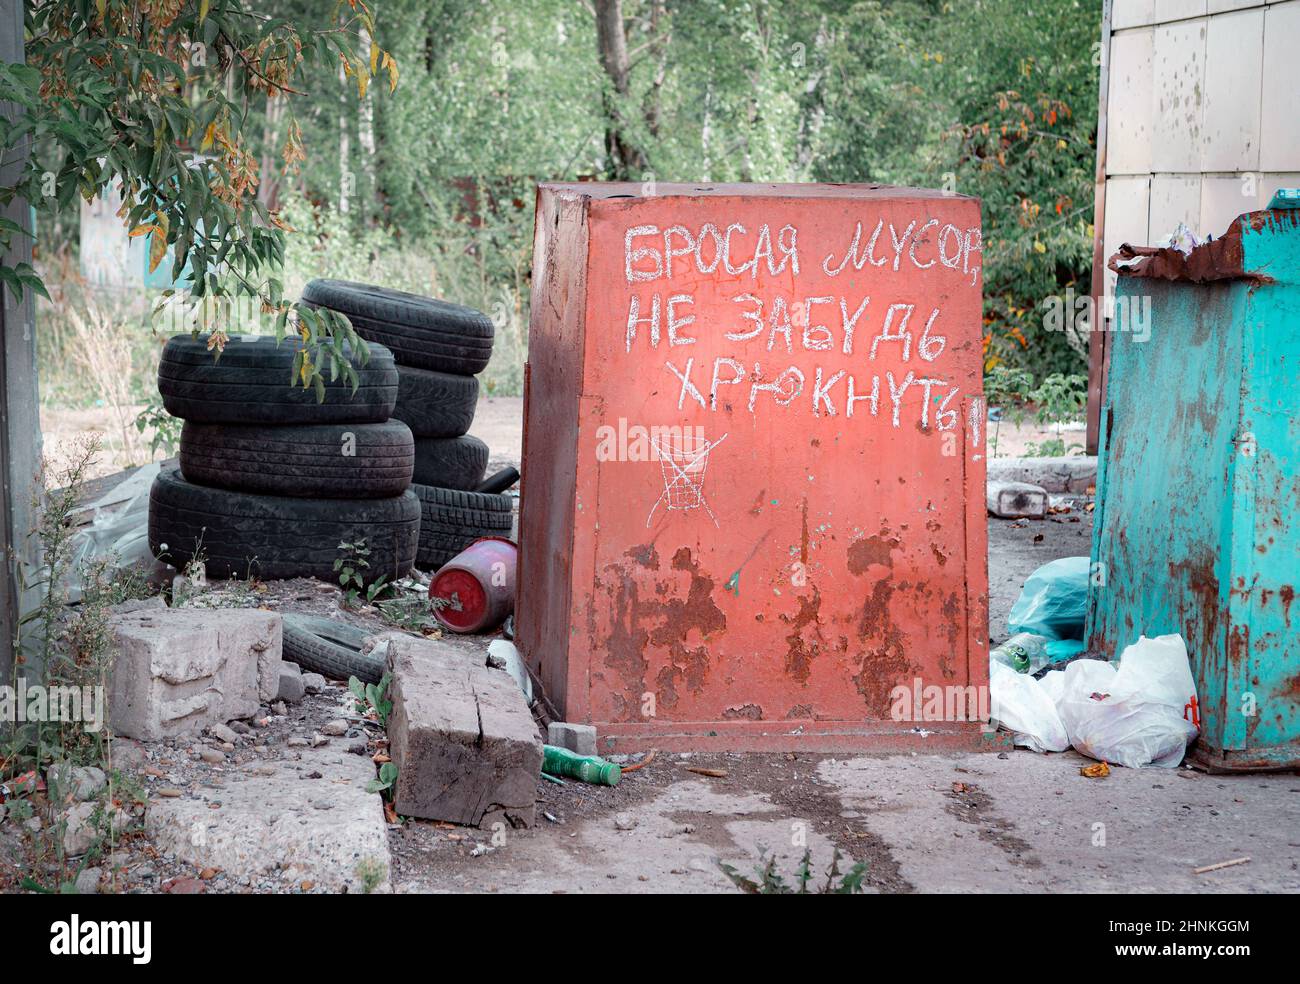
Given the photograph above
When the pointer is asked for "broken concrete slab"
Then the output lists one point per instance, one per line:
(292, 687)
(462, 738)
(178, 671)
(1072, 473)
(305, 819)
(1016, 500)
(578, 738)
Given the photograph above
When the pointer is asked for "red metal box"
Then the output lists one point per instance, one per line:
(753, 482)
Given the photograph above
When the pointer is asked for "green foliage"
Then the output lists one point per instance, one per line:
(431, 189)
(66, 646)
(771, 882)
(152, 100)
(372, 872)
(166, 437)
(384, 782)
(351, 566)
(1060, 398)
(372, 698)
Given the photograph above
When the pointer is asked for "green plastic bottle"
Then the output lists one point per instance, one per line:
(558, 761)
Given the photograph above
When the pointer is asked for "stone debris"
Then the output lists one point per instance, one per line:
(86, 823)
(1016, 500)
(1074, 473)
(180, 671)
(292, 686)
(87, 881)
(314, 683)
(82, 783)
(462, 738)
(578, 738)
(223, 733)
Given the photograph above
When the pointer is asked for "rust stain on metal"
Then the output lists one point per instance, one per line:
(871, 550)
(804, 646)
(665, 622)
(803, 543)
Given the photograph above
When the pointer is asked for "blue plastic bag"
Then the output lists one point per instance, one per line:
(1053, 601)
(1059, 650)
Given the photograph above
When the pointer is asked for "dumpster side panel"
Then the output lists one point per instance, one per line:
(1264, 680)
(1165, 515)
(549, 473)
(763, 557)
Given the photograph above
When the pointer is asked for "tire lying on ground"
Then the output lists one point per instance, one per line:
(450, 520)
(435, 404)
(330, 648)
(252, 383)
(422, 332)
(242, 534)
(329, 461)
(450, 462)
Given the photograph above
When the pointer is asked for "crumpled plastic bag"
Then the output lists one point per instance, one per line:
(1026, 707)
(1136, 715)
(1053, 601)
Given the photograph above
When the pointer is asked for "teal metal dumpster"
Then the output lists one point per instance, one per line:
(1199, 482)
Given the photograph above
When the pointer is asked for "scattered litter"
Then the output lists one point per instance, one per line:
(1053, 601)
(588, 768)
(1025, 706)
(550, 816)
(503, 655)
(1221, 864)
(643, 763)
(1099, 770)
(1024, 652)
(475, 590)
(1143, 713)
(1060, 650)
(700, 770)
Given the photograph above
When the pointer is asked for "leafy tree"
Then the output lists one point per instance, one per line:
(154, 98)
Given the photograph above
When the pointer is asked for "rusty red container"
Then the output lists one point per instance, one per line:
(753, 504)
(475, 590)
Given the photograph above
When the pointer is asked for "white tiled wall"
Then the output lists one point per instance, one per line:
(1203, 113)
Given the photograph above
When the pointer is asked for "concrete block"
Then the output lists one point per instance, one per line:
(292, 687)
(178, 671)
(1074, 473)
(462, 738)
(286, 821)
(579, 738)
(1016, 500)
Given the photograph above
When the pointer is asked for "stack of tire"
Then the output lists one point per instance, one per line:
(272, 480)
(438, 348)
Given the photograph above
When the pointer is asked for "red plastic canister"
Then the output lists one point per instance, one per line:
(475, 590)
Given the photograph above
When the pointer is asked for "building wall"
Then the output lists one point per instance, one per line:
(1203, 114)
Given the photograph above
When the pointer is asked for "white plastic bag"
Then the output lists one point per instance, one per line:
(1023, 705)
(1136, 715)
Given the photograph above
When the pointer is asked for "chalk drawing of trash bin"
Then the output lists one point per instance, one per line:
(683, 466)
